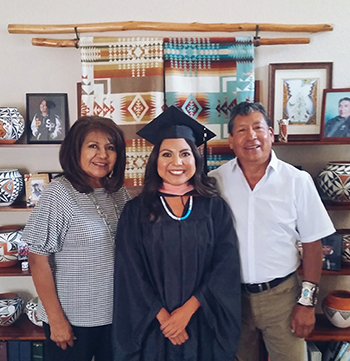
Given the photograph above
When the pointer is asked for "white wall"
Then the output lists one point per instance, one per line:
(28, 69)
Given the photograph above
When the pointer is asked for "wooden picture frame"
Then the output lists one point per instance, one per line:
(295, 93)
(34, 185)
(47, 117)
(335, 122)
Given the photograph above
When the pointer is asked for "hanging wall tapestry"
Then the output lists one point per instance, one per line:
(122, 78)
(206, 77)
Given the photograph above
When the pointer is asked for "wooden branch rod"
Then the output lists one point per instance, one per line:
(161, 26)
(71, 43)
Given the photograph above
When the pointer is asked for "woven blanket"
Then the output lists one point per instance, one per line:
(122, 78)
(206, 77)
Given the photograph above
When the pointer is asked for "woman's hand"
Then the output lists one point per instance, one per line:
(62, 334)
(179, 319)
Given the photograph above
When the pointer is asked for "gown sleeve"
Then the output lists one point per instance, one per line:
(135, 302)
(220, 292)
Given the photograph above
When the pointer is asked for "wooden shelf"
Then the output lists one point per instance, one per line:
(324, 331)
(336, 206)
(13, 271)
(16, 207)
(23, 329)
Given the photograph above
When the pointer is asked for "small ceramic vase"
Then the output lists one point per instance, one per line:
(10, 237)
(336, 307)
(10, 308)
(346, 249)
(334, 181)
(31, 311)
(11, 185)
(283, 130)
(11, 125)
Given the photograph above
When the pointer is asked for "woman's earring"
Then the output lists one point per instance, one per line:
(111, 174)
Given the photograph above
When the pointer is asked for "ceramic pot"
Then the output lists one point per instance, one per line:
(10, 308)
(346, 249)
(10, 237)
(336, 307)
(11, 125)
(31, 311)
(334, 181)
(11, 185)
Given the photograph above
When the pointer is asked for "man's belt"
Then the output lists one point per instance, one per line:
(260, 287)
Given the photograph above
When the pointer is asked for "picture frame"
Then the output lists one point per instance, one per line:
(332, 247)
(47, 117)
(335, 121)
(34, 185)
(295, 93)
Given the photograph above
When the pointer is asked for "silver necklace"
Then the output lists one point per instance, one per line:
(171, 215)
(104, 217)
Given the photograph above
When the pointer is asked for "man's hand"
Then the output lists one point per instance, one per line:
(302, 320)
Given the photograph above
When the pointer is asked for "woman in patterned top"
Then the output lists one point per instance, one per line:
(71, 234)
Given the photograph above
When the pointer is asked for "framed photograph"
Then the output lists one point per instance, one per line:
(335, 123)
(47, 117)
(34, 185)
(295, 93)
(332, 247)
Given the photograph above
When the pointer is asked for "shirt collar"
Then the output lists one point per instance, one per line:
(273, 162)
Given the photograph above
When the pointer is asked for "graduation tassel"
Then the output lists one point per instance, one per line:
(205, 152)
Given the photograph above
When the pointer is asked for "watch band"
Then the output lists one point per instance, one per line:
(308, 296)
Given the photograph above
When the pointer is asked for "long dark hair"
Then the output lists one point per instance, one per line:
(203, 185)
(71, 150)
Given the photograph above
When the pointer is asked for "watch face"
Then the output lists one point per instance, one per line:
(306, 293)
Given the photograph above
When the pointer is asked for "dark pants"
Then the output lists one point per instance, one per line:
(91, 341)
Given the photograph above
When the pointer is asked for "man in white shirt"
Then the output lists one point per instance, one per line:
(274, 205)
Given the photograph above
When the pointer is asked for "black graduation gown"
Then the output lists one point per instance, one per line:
(163, 264)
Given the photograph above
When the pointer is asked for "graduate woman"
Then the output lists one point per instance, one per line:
(177, 273)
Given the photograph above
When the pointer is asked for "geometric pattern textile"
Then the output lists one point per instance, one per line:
(122, 78)
(206, 77)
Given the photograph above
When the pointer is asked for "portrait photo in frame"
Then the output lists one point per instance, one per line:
(47, 117)
(335, 123)
(34, 185)
(295, 93)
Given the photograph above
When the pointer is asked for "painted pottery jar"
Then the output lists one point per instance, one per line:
(11, 125)
(10, 238)
(346, 249)
(334, 181)
(31, 311)
(336, 307)
(10, 308)
(11, 185)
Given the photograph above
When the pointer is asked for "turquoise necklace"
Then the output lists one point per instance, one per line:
(174, 217)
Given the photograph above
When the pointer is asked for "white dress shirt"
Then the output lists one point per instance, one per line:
(283, 208)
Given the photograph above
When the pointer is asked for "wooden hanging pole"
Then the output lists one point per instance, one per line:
(71, 43)
(162, 26)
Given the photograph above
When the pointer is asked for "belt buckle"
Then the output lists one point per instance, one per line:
(260, 287)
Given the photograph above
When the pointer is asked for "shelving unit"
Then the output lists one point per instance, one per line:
(324, 331)
(22, 330)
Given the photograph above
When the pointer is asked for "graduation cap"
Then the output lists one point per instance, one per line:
(174, 123)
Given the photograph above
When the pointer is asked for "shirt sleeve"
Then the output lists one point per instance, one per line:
(49, 222)
(313, 221)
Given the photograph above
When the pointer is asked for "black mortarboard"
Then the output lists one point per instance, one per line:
(174, 123)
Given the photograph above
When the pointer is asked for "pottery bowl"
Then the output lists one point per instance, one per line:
(11, 125)
(334, 181)
(11, 185)
(346, 249)
(10, 308)
(336, 307)
(10, 236)
(31, 311)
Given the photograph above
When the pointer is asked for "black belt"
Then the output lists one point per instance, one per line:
(260, 287)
